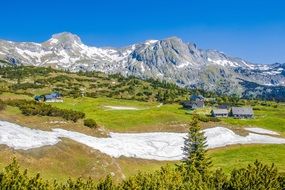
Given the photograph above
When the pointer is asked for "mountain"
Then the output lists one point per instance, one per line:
(170, 59)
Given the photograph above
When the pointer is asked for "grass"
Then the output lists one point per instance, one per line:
(241, 155)
(131, 166)
(150, 116)
(12, 96)
(156, 118)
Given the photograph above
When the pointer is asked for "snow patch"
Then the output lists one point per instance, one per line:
(261, 131)
(262, 67)
(25, 138)
(149, 42)
(53, 41)
(250, 66)
(157, 145)
(142, 67)
(223, 62)
(272, 72)
(183, 65)
(27, 54)
(121, 108)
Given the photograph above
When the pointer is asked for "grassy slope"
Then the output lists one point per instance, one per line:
(64, 160)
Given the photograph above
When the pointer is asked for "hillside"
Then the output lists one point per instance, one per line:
(37, 81)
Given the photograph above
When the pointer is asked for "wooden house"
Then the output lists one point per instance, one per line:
(242, 112)
(220, 113)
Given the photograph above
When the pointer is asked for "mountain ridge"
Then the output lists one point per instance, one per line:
(169, 59)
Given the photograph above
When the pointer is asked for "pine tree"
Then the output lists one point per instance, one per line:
(195, 158)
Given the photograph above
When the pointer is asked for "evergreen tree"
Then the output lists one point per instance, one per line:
(195, 158)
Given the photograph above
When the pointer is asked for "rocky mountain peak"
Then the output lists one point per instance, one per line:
(64, 38)
(173, 39)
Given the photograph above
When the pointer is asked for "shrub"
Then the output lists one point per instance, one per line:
(203, 118)
(214, 119)
(206, 119)
(34, 108)
(2, 105)
(25, 86)
(90, 123)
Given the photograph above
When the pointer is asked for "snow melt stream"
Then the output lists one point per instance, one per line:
(157, 145)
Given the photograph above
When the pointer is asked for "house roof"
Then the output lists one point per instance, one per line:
(197, 103)
(187, 103)
(196, 97)
(242, 111)
(53, 95)
(223, 106)
(49, 96)
(220, 111)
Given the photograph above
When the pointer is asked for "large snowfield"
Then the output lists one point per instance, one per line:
(157, 145)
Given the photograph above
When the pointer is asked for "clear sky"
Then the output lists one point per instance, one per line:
(250, 29)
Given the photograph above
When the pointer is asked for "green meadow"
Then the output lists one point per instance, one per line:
(241, 155)
(150, 115)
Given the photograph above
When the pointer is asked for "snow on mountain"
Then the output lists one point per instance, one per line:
(169, 59)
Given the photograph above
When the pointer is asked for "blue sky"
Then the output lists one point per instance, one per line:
(250, 29)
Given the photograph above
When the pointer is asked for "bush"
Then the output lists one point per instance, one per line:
(2, 105)
(203, 118)
(25, 86)
(206, 119)
(90, 123)
(35, 108)
(214, 119)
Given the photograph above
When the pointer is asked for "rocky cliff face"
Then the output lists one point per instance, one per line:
(170, 59)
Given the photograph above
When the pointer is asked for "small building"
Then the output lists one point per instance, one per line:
(187, 104)
(196, 101)
(193, 104)
(53, 97)
(224, 106)
(242, 112)
(197, 98)
(198, 104)
(39, 98)
(220, 113)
